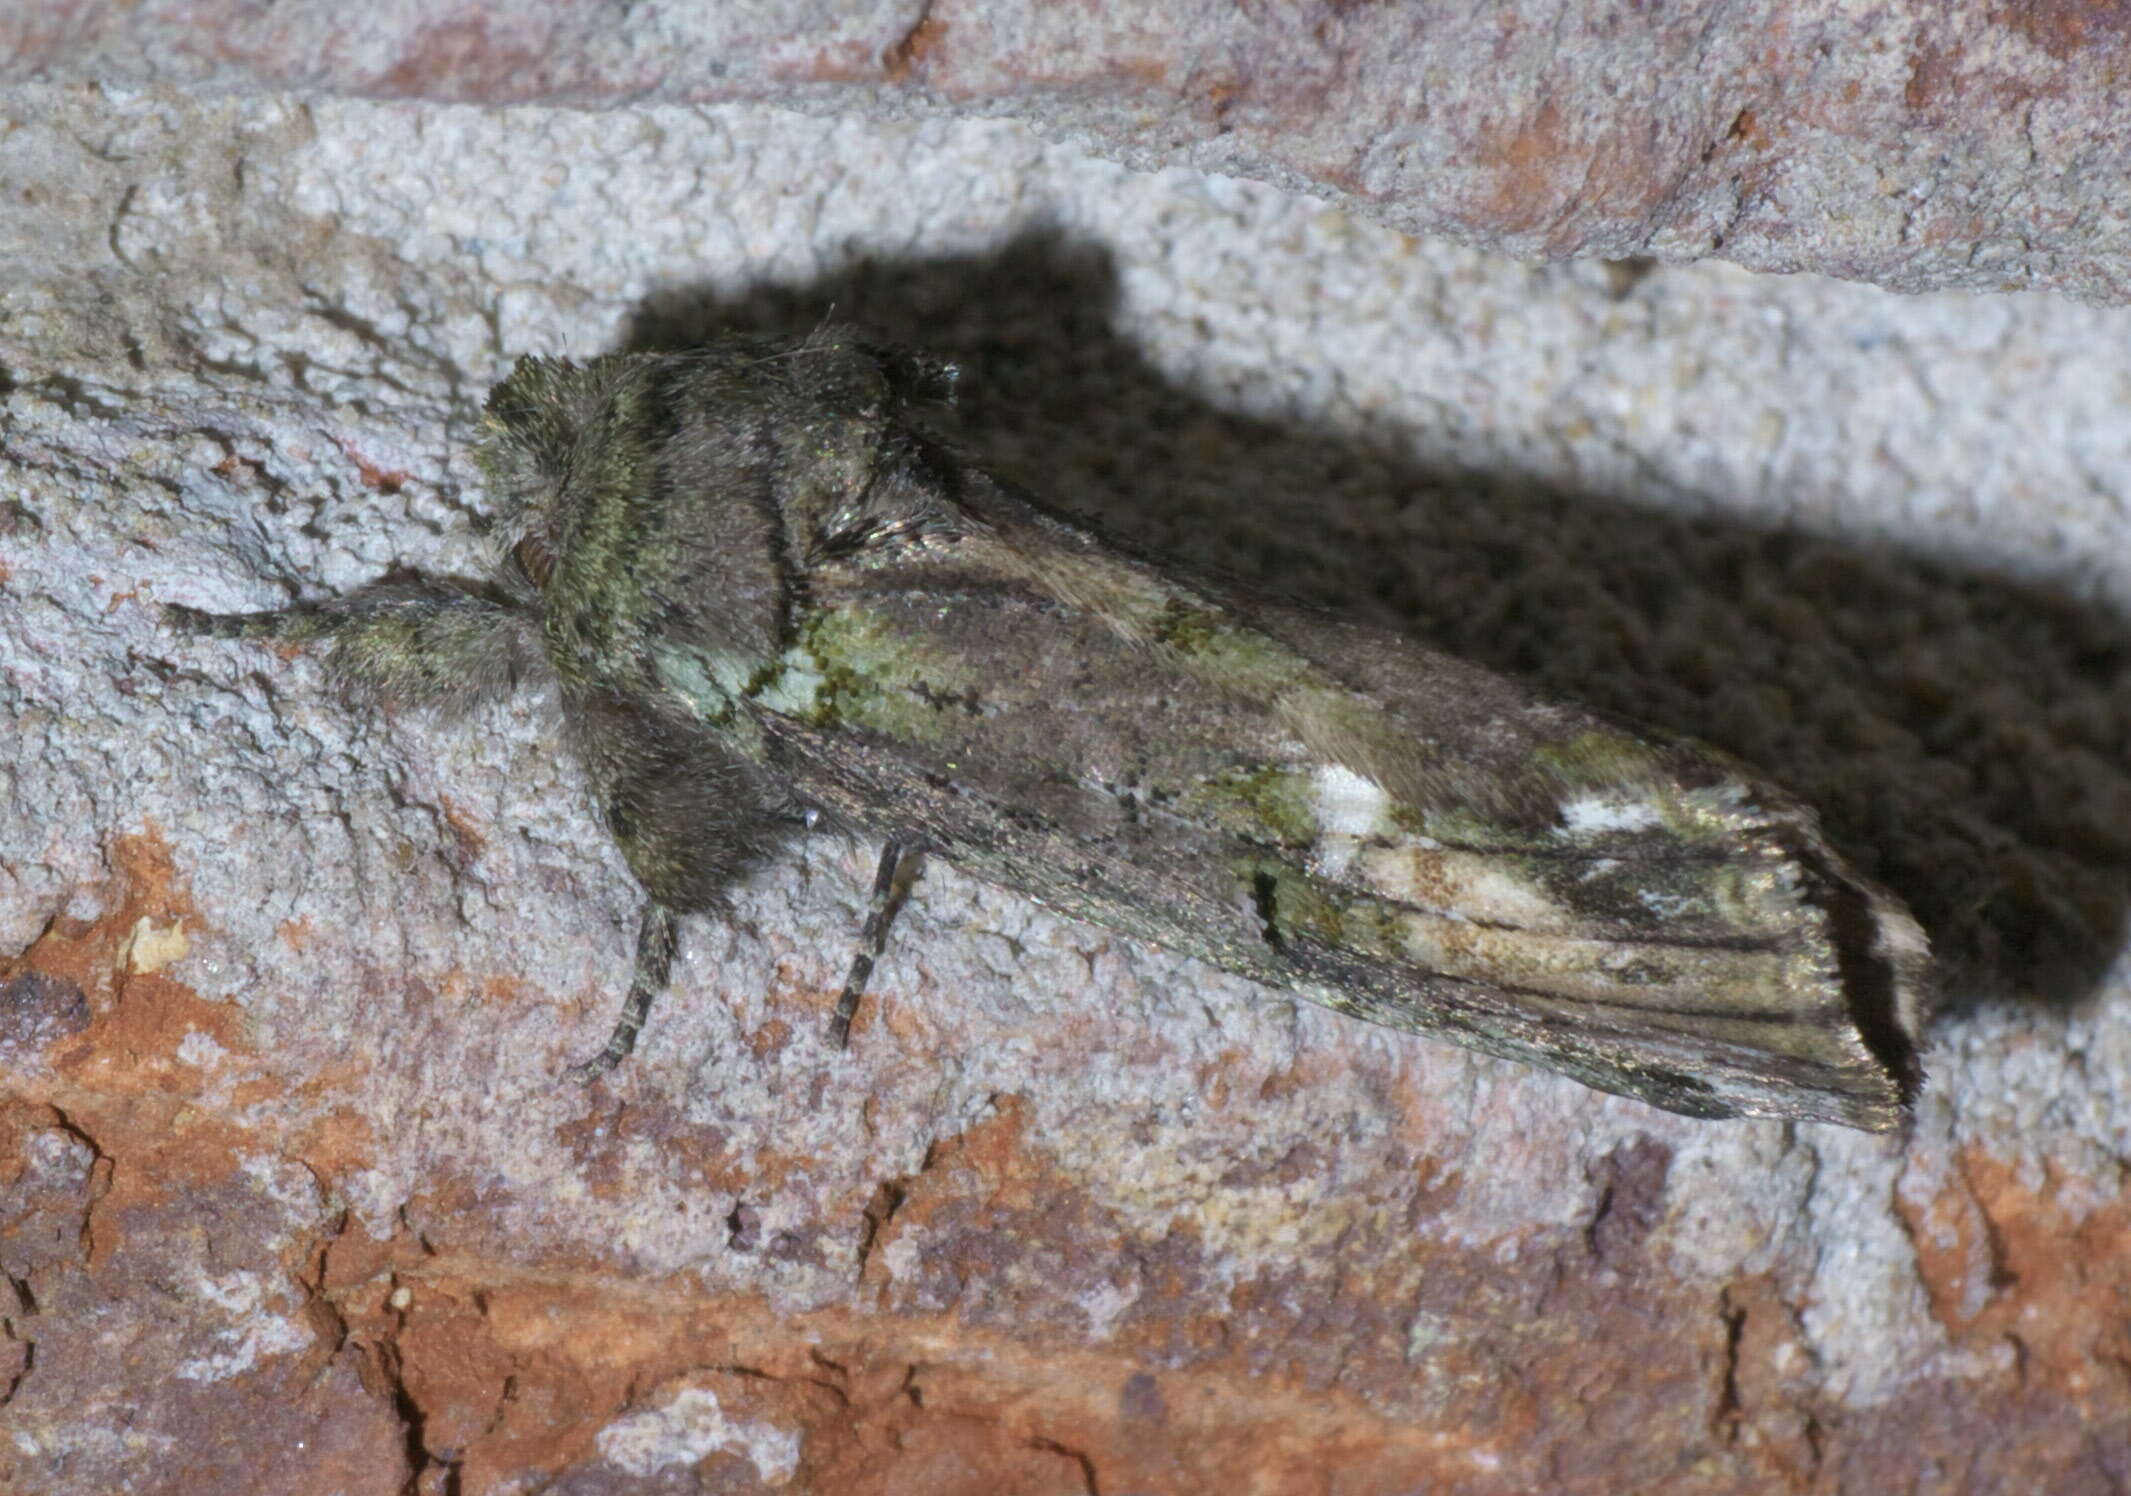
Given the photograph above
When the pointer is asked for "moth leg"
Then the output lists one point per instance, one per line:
(657, 937)
(900, 864)
(687, 814)
(413, 642)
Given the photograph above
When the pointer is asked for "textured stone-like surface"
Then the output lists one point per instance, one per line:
(1917, 145)
(291, 1199)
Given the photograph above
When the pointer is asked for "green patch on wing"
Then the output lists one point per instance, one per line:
(1243, 660)
(852, 667)
(1262, 805)
(1455, 826)
(1600, 761)
(1295, 906)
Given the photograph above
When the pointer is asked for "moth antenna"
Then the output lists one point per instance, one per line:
(900, 864)
(656, 939)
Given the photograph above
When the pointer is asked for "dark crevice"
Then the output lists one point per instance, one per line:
(743, 1229)
(902, 56)
(421, 1464)
(360, 328)
(880, 1210)
(1087, 1466)
(324, 1316)
(99, 1185)
(1728, 1410)
(75, 396)
(119, 213)
(1264, 893)
(13, 1331)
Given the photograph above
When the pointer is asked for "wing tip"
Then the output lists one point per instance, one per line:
(1884, 958)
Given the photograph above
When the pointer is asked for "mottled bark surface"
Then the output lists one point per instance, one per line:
(291, 1198)
(1920, 146)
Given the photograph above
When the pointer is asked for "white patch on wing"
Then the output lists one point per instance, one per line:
(1662, 904)
(1460, 886)
(1592, 815)
(1347, 804)
(1359, 845)
(1348, 809)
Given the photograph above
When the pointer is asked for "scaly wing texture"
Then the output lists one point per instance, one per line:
(1338, 811)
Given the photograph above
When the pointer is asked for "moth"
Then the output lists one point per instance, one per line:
(769, 599)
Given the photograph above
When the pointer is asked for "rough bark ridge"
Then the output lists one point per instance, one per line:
(1919, 146)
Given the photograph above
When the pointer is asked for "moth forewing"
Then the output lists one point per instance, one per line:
(1633, 911)
(765, 592)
